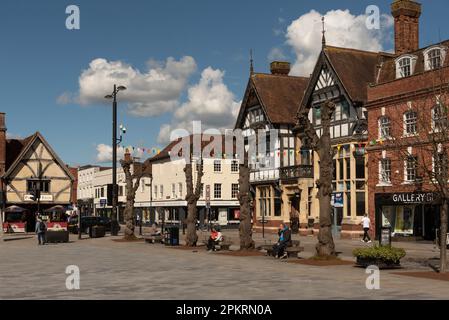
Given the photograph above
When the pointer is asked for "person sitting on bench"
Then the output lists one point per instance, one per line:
(214, 239)
(284, 241)
(154, 231)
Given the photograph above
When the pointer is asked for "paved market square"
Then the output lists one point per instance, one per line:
(119, 270)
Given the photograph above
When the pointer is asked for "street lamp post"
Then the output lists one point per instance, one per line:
(115, 142)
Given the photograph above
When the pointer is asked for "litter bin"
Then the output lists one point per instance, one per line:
(171, 236)
(97, 232)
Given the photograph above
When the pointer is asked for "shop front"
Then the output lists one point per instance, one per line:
(412, 216)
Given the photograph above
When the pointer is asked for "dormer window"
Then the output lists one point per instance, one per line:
(434, 58)
(405, 66)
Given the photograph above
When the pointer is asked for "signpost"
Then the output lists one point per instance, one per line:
(336, 202)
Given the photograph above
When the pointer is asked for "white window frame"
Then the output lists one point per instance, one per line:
(406, 169)
(433, 124)
(406, 124)
(427, 58)
(380, 125)
(411, 63)
(382, 172)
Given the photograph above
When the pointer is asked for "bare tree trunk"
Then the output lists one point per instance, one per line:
(443, 232)
(131, 188)
(192, 198)
(325, 245)
(245, 229)
(322, 145)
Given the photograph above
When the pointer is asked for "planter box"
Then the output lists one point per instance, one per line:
(381, 264)
(57, 236)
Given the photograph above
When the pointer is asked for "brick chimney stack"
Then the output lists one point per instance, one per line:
(406, 15)
(2, 144)
(280, 68)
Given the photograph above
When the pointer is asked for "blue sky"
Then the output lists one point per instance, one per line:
(40, 59)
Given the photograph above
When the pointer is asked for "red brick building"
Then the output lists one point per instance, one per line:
(406, 108)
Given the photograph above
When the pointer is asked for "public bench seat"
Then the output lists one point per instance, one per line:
(291, 251)
(153, 238)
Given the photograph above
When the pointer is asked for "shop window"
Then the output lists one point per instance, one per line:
(265, 201)
(277, 203)
(348, 203)
(360, 203)
(341, 165)
(348, 168)
(359, 167)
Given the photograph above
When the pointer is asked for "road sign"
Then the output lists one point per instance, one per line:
(103, 202)
(337, 199)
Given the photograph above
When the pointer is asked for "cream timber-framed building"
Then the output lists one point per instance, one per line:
(29, 163)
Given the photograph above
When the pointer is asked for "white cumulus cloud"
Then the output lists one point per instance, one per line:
(104, 153)
(150, 93)
(343, 29)
(209, 101)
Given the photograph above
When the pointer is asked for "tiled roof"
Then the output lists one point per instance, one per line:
(14, 147)
(388, 71)
(355, 68)
(280, 95)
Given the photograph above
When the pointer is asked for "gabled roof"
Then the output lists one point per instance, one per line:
(16, 150)
(279, 96)
(165, 153)
(355, 69)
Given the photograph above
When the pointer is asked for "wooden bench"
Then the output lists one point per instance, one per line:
(153, 238)
(225, 244)
(291, 251)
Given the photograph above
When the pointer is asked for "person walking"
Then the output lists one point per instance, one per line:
(41, 229)
(366, 222)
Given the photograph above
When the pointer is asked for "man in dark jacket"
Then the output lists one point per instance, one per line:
(41, 229)
(285, 239)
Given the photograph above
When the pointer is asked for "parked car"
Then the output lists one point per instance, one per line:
(88, 222)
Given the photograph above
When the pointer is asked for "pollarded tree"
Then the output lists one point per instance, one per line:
(323, 147)
(132, 184)
(192, 197)
(245, 229)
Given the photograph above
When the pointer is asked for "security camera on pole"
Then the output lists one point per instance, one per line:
(115, 143)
